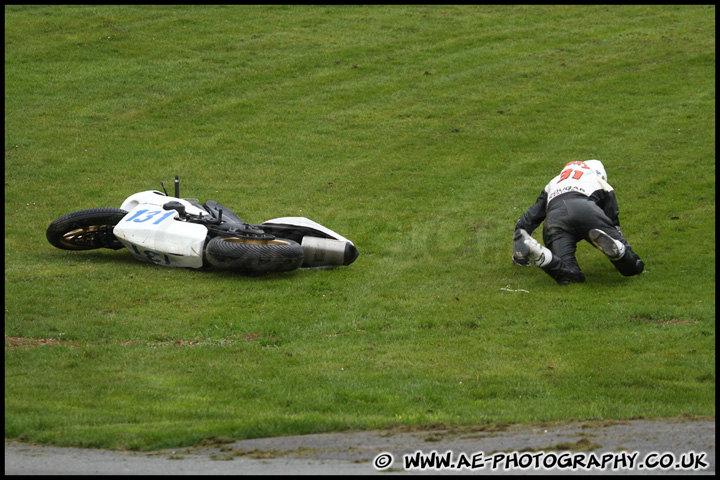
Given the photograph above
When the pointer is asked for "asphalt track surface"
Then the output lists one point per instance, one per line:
(472, 451)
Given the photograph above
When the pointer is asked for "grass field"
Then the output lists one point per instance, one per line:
(419, 132)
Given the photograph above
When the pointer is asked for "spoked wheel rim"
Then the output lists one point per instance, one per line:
(84, 237)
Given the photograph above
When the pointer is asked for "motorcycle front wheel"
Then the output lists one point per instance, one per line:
(86, 229)
(255, 257)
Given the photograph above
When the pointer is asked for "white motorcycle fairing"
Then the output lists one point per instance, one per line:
(153, 234)
(306, 223)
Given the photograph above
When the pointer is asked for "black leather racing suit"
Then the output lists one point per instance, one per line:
(568, 218)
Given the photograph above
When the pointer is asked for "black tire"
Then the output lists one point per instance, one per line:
(86, 229)
(255, 257)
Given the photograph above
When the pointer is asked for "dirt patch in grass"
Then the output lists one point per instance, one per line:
(12, 343)
(661, 321)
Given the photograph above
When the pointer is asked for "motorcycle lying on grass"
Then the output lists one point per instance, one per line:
(179, 232)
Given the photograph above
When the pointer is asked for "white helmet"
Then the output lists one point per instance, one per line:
(598, 167)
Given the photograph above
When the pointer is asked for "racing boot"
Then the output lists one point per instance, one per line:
(527, 250)
(612, 248)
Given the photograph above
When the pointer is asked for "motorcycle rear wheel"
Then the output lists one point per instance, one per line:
(255, 257)
(86, 229)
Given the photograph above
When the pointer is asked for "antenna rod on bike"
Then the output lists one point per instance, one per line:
(177, 187)
(164, 190)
